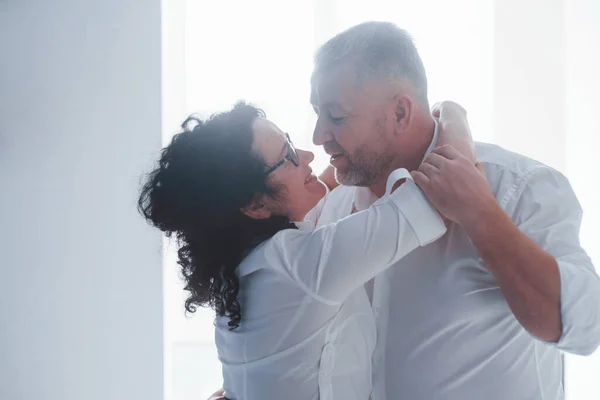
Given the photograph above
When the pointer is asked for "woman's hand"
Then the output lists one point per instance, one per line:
(455, 186)
(218, 395)
(454, 128)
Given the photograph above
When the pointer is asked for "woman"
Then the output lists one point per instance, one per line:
(293, 320)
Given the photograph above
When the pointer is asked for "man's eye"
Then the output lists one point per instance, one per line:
(336, 120)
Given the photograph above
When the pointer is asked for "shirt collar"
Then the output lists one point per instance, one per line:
(306, 225)
(436, 130)
(364, 197)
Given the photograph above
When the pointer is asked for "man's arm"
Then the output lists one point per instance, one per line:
(527, 275)
(544, 274)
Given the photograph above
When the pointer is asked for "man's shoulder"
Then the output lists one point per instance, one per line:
(500, 158)
(509, 163)
(508, 171)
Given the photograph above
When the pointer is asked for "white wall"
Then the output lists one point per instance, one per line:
(546, 105)
(583, 126)
(80, 272)
(529, 79)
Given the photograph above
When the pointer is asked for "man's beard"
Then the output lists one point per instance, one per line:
(365, 168)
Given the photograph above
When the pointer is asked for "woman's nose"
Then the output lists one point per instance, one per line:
(306, 156)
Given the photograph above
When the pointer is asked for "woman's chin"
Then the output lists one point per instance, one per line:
(320, 189)
(314, 185)
(314, 194)
(316, 190)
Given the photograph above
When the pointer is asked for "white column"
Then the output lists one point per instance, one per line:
(80, 271)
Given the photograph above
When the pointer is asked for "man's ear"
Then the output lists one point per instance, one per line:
(404, 108)
(257, 209)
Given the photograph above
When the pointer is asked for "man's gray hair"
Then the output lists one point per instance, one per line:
(377, 50)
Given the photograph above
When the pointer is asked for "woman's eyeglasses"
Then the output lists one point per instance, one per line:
(292, 156)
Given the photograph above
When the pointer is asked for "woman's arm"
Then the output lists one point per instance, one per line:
(218, 395)
(332, 261)
(454, 128)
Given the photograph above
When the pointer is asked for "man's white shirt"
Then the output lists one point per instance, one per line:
(444, 329)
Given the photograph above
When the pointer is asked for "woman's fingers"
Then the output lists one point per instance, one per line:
(429, 169)
(435, 159)
(448, 152)
(420, 179)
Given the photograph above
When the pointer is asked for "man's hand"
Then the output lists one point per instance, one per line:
(454, 128)
(455, 186)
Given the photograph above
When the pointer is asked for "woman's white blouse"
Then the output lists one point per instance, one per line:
(307, 328)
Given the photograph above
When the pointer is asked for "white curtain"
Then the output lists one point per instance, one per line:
(524, 69)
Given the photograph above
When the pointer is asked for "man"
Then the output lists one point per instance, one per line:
(483, 312)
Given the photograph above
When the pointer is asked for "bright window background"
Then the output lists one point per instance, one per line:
(524, 70)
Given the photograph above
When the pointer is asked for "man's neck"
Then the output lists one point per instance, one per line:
(412, 156)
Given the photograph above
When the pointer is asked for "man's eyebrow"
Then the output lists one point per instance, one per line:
(328, 105)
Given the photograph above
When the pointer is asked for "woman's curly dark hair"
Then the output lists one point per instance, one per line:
(204, 177)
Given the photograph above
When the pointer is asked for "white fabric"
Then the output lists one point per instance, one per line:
(364, 198)
(307, 330)
(445, 331)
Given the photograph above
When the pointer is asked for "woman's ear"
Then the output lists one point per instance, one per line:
(257, 209)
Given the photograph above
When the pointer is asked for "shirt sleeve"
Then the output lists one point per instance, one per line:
(548, 211)
(334, 260)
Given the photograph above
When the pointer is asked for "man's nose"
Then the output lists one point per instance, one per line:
(322, 133)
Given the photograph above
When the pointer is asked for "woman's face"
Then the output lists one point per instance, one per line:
(300, 190)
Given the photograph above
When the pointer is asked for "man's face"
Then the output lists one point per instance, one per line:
(354, 125)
